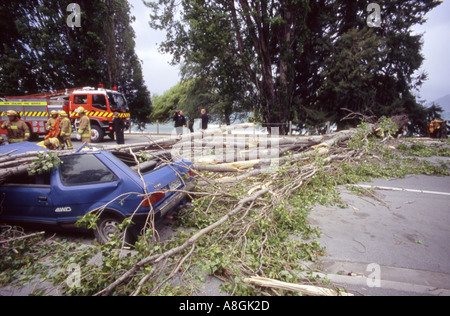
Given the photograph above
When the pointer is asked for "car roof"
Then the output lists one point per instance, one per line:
(20, 148)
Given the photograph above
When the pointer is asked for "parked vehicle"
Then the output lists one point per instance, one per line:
(101, 182)
(100, 103)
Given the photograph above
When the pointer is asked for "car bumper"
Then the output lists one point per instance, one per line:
(166, 206)
(174, 200)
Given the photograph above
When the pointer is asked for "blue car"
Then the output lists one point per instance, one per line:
(103, 182)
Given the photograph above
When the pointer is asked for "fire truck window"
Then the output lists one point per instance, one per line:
(117, 102)
(99, 101)
(80, 99)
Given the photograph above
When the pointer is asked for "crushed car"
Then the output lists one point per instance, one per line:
(109, 184)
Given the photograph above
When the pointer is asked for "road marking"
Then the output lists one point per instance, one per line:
(400, 189)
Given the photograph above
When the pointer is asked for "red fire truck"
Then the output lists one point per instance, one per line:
(100, 103)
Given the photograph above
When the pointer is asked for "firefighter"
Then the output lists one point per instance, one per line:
(54, 129)
(18, 130)
(84, 130)
(50, 143)
(437, 129)
(52, 120)
(66, 130)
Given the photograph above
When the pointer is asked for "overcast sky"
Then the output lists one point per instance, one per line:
(160, 76)
(436, 51)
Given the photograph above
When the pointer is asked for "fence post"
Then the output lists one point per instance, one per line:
(290, 128)
(157, 127)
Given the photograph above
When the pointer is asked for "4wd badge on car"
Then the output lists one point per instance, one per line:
(63, 210)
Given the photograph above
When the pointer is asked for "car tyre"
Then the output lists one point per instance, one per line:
(108, 226)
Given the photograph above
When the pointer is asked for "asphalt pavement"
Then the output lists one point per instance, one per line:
(393, 241)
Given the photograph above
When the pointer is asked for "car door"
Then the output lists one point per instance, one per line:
(27, 199)
(83, 183)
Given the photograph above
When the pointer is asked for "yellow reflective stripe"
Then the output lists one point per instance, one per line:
(23, 103)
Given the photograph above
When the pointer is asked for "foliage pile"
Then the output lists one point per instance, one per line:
(255, 227)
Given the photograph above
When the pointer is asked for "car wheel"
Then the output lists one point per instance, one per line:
(107, 227)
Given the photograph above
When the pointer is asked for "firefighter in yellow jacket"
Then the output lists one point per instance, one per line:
(84, 129)
(66, 130)
(50, 143)
(18, 130)
(52, 120)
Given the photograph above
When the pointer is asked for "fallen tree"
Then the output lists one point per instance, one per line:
(236, 151)
(248, 219)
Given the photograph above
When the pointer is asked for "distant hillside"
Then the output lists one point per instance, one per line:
(444, 102)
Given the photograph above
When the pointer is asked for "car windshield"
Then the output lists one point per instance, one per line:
(117, 102)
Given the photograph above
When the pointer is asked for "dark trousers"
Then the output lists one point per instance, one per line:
(120, 139)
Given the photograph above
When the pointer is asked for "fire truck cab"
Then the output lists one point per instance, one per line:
(100, 103)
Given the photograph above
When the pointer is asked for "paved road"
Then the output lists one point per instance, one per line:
(393, 243)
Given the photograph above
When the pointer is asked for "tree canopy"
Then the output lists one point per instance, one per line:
(299, 60)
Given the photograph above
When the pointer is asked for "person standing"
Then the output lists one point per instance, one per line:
(66, 130)
(205, 119)
(51, 121)
(119, 127)
(180, 122)
(18, 130)
(84, 129)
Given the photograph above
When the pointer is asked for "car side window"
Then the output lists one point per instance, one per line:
(30, 180)
(83, 170)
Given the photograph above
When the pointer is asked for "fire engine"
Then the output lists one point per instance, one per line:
(100, 103)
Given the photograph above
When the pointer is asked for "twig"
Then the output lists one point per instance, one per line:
(21, 238)
(305, 289)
